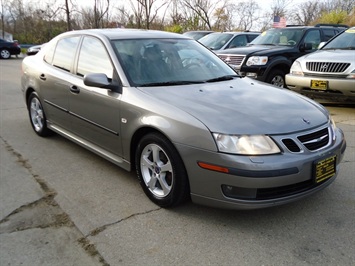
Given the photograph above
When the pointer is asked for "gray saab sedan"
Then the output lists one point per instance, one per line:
(167, 107)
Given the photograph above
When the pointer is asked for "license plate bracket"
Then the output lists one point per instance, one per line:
(324, 169)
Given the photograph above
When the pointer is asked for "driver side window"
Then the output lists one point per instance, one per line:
(94, 58)
(313, 37)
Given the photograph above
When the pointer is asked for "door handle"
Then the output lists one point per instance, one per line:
(42, 77)
(74, 89)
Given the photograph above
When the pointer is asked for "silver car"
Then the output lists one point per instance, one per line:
(329, 73)
(218, 41)
(167, 107)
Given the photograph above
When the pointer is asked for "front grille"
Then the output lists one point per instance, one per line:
(235, 60)
(327, 67)
(316, 140)
(291, 145)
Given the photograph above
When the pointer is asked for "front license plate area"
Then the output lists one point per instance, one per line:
(324, 169)
(319, 84)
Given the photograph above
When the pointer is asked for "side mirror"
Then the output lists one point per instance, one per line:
(321, 45)
(305, 47)
(99, 80)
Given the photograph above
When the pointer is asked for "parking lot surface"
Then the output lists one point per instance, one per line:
(63, 205)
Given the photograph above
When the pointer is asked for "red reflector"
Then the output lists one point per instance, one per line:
(213, 167)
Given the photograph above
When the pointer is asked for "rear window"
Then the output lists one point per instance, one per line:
(65, 53)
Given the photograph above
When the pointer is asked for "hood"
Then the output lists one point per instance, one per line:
(243, 106)
(331, 56)
(256, 49)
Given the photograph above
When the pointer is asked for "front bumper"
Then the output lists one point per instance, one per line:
(258, 73)
(257, 182)
(338, 89)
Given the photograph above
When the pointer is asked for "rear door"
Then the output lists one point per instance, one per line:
(55, 79)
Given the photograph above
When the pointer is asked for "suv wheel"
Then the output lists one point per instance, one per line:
(277, 78)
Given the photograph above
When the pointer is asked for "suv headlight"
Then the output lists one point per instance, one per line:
(296, 69)
(246, 144)
(257, 60)
(351, 75)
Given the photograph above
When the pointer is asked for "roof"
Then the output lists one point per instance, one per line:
(117, 33)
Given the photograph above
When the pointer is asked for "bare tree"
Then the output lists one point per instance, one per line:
(279, 7)
(67, 13)
(203, 9)
(246, 14)
(3, 18)
(146, 9)
(101, 8)
(223, 16)
(94, 17)
(342, 5)
(306, 12)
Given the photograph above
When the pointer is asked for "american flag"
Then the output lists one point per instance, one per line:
(279, 22)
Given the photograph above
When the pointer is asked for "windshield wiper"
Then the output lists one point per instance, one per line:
(171, 83)
(227, 77)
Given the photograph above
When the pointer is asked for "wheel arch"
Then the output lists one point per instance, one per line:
(279, 63)
(27, 95)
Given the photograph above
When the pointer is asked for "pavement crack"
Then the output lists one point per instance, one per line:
(104, 227)
(24, 162)
(42, 213)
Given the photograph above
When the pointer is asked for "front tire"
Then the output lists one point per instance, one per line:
(161, 171)
(277, 78)
(37, 116)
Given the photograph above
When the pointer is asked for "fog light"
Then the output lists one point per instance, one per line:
(251, 75)
(239, 192)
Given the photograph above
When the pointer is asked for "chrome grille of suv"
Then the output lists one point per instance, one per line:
(235, 60)
(316, 140)
(327, 67)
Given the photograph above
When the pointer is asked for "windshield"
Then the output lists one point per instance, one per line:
(154, 62)
(345, 40)
(215, 41)
(284, 36)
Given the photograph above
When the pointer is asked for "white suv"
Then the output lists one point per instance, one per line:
(328, 73)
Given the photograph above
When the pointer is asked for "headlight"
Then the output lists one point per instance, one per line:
(351, 75)
(296, 69)
(333, 127)
(245, 144)
(257, 60)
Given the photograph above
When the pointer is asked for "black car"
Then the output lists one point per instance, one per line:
(269, 57)
(8, 48)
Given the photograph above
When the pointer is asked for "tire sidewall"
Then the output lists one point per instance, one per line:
(44, 131)
(8, 55)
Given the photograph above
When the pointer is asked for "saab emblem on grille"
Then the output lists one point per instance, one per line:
(306, 121)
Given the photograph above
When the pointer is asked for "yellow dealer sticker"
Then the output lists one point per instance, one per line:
(324, 169)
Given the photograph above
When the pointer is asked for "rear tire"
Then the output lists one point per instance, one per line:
(37, 116)
(161, 171)
(5, 54)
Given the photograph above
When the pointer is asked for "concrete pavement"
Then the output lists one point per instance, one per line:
(34, 230)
